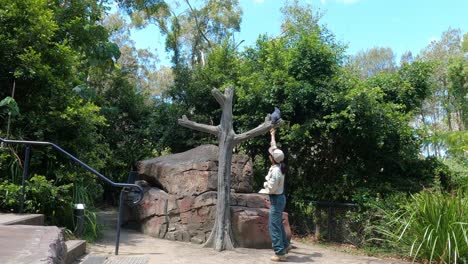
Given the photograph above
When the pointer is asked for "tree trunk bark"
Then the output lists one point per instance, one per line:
(221, 235)
(461, 126)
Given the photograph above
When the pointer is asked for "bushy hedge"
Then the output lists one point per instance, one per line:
(40, 196)
(432, 226)
(56, 202)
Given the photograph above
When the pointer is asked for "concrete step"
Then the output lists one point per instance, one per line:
(21, 219)
(75, 250)
(31, 244)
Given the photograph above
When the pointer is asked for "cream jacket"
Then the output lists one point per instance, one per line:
(274, 181)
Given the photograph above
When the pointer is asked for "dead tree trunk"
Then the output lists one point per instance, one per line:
(221, 237)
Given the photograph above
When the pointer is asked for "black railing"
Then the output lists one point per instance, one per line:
(138, 189)
(330, 207)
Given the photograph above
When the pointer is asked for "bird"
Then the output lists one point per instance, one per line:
(276, 116)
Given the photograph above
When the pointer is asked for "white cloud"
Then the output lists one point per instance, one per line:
(259, 1)
(323, 1)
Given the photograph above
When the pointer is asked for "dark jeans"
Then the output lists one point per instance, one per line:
(278, 235)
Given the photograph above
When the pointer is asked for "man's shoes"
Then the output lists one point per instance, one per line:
(290, 246)
(278, 258)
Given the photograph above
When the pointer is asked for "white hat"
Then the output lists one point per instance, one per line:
(276, 153)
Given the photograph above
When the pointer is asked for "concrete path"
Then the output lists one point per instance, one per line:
(163, 251)
(145, 249)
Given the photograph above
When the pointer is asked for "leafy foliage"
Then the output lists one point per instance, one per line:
(41, 196)
(432, 227)
(9, 106)
(58, 64)
(373, 61)
(343, 134)
(408, 87)
(458, 176)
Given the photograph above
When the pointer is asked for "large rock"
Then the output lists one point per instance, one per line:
(195, 171)
(154, 203)
(180, 199)
(156, 226)
(186, 218)
(249, 215)
(251, 200)
(191, 218)
(250, 227)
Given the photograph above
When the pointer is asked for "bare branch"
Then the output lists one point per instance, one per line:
(214, 130)
(220, 98)
(197, 24)
(261, 129)
(229, 91)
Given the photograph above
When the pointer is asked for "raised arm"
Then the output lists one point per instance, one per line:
(273, 140)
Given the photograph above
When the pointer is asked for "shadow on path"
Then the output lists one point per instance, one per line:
(303, 257)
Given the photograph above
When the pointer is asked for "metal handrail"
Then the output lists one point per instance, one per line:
(332, 204)
(86, 166)
(28, 144)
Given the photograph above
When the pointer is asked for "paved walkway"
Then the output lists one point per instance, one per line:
(137, 246)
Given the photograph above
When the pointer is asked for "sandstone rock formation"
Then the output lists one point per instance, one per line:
(180, 198)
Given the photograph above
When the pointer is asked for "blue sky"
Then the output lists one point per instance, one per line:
(361, 24)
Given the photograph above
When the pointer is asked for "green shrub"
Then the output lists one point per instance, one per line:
(86, 192)
(459, 174)
(363, 221)
(9, 196)
(10, 168)
(92, 230)
(302, 216)
(41, 196)
(55, 202)
(430, 227)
